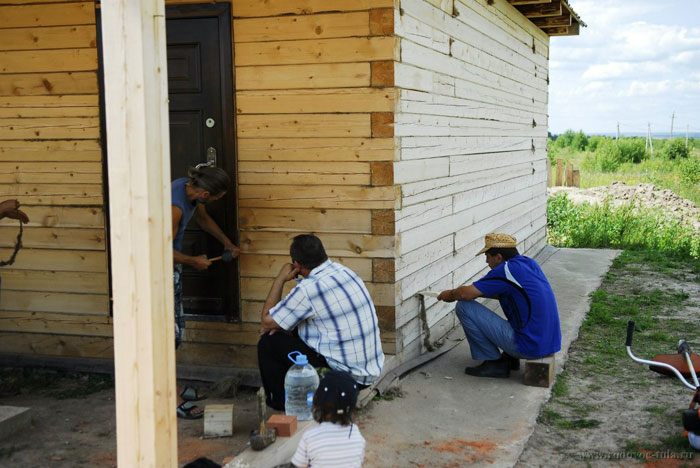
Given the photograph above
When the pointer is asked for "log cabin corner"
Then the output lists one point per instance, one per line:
(399, 131)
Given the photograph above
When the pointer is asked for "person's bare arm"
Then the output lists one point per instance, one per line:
(287, 273)
(200, 262)
(209, 225)
(462, 293)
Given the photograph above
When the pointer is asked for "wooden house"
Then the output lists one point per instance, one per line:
(399, 131)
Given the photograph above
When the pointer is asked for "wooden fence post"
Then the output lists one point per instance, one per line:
(577, 178)
(136, 94)
(549, 172)
(569, 174)
(560, 170)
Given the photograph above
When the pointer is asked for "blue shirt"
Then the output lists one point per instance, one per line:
(528, 302)
(334, 315)
(179, 199)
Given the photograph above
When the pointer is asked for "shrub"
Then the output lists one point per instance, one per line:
(607, 157)
(626, 227)
(689, 170)
(564, 140)
(632, 150)
(676, 149)
(594, 141)
(579, 141)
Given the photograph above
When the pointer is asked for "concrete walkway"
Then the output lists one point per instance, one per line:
(449, 419)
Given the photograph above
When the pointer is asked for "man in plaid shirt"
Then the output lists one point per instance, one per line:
(329, 316)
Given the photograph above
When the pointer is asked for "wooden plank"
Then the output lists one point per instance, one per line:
(32, 61)
(55, 302)
(285, 28)
(560, 172)
(383, 73)
(382, 124)
(47, 15)
(52, 150)
(48, 128)
(58, 260)
(136, 111)
(383, 270)
(569, 174)
(42, 167)
(316, 101)
(41, 102)
(56, 281)
(381, 22)
(267, 266)
(32, 84)
(337, 245)
(60, 216)
(56, 173)
(49, 322)
(314, 149)
(382, 173)
(316, 196)
(576, 178)
(383, 222)
(325, 75)
(247, 8)
(61, 37)
(293, 173)
(48, 238)
(421, 147)
(549, 172)
(56, 345)
(300, 125)
(35, 191)
(30, 112)
(341, 50)
(304, 220)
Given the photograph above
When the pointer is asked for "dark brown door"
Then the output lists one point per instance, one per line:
(201, 130)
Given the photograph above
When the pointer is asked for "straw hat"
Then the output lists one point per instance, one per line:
(498, 241)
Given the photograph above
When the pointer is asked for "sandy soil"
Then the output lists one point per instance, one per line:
(645, 195)
(81, 432)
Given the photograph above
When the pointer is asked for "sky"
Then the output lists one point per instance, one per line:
(637, 62)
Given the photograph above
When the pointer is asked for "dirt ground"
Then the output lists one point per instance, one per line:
(610, 411)
(74, 428)
(645, 195)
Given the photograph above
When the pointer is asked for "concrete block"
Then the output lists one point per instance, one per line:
(286, 425)
(218, 421)
(13, 419)
(539, 372)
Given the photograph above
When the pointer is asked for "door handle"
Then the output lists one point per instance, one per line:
(211, 156)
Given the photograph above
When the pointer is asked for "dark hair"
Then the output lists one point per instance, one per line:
(335, 398)
(308, 250)
(506, 253)
(212, 179)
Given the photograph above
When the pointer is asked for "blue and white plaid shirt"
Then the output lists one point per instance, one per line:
(335, 316)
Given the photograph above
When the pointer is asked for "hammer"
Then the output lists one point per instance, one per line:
(226, 257)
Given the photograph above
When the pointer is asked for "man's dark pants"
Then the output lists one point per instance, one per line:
(274, 363)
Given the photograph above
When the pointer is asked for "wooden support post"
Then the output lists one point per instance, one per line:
(569, 174)
(576, 178)
(560, 171)
(136, 95)
(539, 372)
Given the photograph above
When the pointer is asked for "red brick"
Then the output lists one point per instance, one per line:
(286, 425)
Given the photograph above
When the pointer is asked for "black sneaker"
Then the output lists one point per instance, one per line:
(499, 368)
(512, 361)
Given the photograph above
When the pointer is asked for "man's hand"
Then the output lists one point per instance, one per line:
(200, 262)
(288, 272)
(446, 296)
(235, 250)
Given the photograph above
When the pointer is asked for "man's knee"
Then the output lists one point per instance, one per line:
(466, 309)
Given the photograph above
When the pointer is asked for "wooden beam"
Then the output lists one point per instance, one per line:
(528, 2)
(539, 11)
(553, 21)
(572, 30)
(136, 94)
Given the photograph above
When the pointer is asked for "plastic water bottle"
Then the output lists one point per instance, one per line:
(300, 383)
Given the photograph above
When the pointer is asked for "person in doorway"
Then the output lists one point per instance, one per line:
(328, 316)
(532, 327)
(189, 198)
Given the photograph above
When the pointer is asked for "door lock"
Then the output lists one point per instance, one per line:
(210, 122)
(211, 156)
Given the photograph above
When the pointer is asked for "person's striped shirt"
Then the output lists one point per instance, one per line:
(330, 445)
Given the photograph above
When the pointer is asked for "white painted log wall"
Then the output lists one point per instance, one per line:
(471, 126)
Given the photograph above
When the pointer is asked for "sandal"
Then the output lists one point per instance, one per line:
(185, 411)
(191, 394)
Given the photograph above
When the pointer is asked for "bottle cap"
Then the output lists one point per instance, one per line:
(299, 359)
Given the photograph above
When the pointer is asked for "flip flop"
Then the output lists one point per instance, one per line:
(191, 394)
(184, 411)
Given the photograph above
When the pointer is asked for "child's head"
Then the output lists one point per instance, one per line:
(335, 398)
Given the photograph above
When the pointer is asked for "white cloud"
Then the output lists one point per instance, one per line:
(650, 88)
(622, 69)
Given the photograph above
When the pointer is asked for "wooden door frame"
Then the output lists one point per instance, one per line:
(229, 161)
